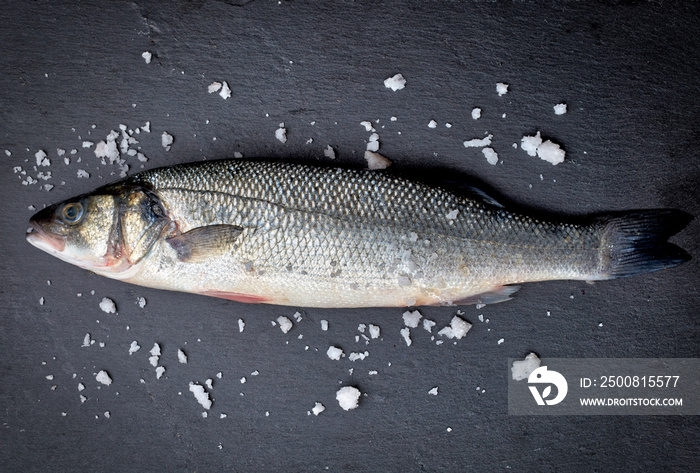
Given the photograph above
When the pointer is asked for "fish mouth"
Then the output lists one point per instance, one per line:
(45, 241)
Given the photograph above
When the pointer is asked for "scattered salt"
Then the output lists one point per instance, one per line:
(182, 357)
(318, 408)
(107, 305)
(502, 89)
(87, 144)
(367, 125)
(452, 214)
(87, 341)
(334, 353)
(501, 340)
(428, 325)
(358, 356)
(373, 143)
(551, 152)
(411, 319)
(529, 144)
(478, 142)
(103, 377)
(521, 369)
(376, 161)
(134, 347)
(374, 331)
(41, 159)
(159, 371)
(166, 140)
(281, 133)
(348, 397)
(147, 56)
(458, 329)
(285, 324)
(491, 156)
(225, 91)
(201, 395)
(406, 334)
(395, 83)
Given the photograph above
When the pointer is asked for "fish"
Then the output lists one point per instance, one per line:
(310, 236)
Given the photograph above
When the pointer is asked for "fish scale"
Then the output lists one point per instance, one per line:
(300, 235)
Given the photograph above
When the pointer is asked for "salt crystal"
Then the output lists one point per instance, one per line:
(334, 353)
(476, 113)
(376, 161)
(87, 144)
(107, 305)
(41, 301)
(318, 408)
(241, 325)
(478, 142)
(434, 391)
(214, 87)
(103, 377)
(502, 89)
(285, 324)
(134, 347)
(374, 331)
(107, 414)
(201, 395)
(81, 387)
(358, 356)
(521, 369)
(41, 159)
(458, 329)
(329, 152)
(86, 341)
(560, 109)
(225, 91)
(411, 319)
(367, 125)
(49, 377)
(83, 173)
(297, 317)
(432, 124)
(529, 144)
(166, 140)
(348, 397)
(182, 357)
(243, 380)
(491, 156)
(159, 372)
(60, 151)
(281, 134)
(324, 325)
(551, 152)
(395, 83)
(406, 334)
(147, 56)
(452, 214)
(501, 340)
(428, 325)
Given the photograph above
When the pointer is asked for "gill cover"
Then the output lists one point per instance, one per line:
(142, 220)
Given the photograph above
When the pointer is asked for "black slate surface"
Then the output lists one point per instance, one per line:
(73, 71)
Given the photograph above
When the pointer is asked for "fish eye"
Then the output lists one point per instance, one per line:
(72, 212)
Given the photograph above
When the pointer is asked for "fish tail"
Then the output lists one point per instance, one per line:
(637, 242)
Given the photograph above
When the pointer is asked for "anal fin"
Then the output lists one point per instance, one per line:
(493, 296)
(203, 243)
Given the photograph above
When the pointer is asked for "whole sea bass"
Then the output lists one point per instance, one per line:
(309, 236)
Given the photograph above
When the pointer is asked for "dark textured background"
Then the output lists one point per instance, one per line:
(629, 72)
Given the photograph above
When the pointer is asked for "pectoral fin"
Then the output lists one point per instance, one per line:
(203, 243)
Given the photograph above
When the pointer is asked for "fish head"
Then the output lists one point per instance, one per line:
(107, 231)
